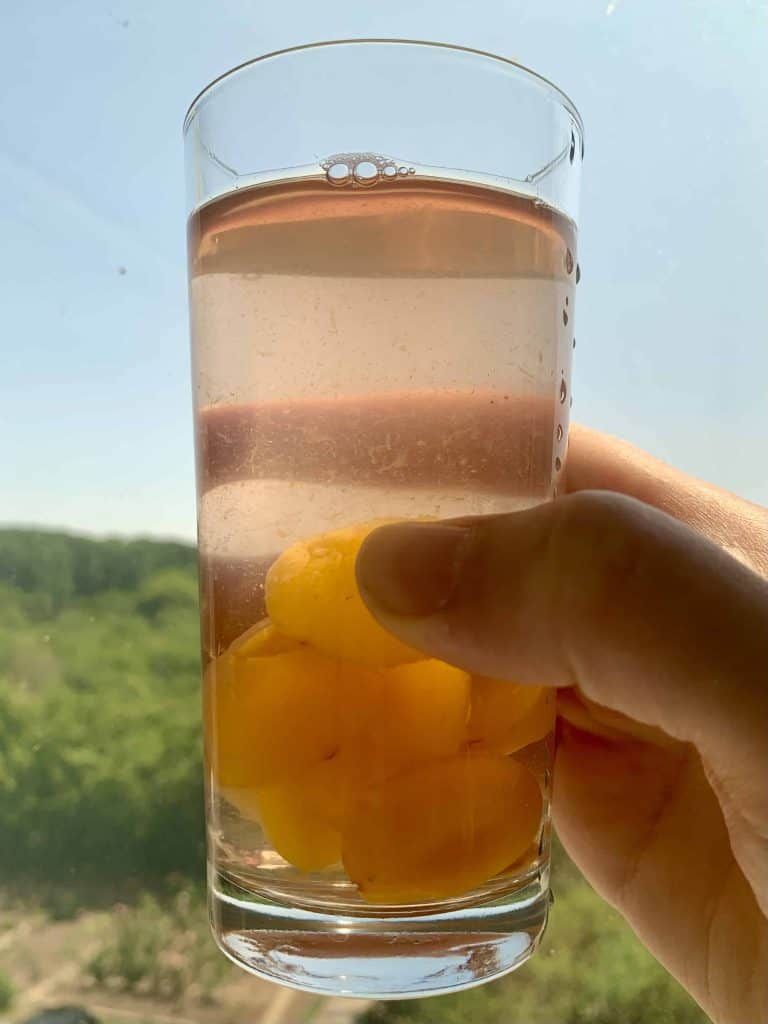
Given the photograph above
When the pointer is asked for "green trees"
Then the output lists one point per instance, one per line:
(100, 763)
(52, 569)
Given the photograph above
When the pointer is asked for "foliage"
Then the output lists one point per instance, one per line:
(161, 950)
(51, 569)
(100, 763)
(7, 992)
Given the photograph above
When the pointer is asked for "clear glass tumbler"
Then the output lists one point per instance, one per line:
(382, 271)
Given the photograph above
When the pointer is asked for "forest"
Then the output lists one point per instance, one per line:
(101, 797)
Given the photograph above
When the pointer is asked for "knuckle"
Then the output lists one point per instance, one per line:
(601, 547)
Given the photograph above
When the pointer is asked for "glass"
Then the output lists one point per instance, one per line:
(382, 250)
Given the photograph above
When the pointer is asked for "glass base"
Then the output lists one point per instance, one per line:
(377, 957)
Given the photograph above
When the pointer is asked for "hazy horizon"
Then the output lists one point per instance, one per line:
(86, 534)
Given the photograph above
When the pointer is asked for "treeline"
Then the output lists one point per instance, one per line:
(56, 568)
(100, 764)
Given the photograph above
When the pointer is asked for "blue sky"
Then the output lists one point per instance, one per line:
(96, 423)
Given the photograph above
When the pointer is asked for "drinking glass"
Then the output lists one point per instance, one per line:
(382, 272)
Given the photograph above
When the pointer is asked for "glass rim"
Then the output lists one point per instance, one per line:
(562, 96)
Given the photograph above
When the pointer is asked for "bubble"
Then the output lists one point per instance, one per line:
(563, 391)
(568, 261)
(570, 402)
(411, 170)
(338, 174)
(402, 171)
(565, 318)
(366, 173)
(572, 151)
(555, 493)
(567, 301)
(574, 342)
(558, 464)
(390, 171)
(578, 273)
(559, 432)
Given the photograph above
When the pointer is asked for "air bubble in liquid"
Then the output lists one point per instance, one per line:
(338, 174)
(558, 464)
(578, 273)
(568, 261)
(366, 173)
(565, 318)
(563, 391)
(363, 169)
(574, 342)
(559, 432)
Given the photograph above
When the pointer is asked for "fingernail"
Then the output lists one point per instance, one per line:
(412, 568)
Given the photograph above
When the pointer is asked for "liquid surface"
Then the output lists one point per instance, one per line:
(305, 290)
(360, 353)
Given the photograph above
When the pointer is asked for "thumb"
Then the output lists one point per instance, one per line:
(596, 590)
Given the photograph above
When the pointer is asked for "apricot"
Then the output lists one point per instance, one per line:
(398, 717)
(441, 829)
(262, 640)
(311, 595)
(327, 789)
(346, 744)
(330, 788)
(269, 718)
(507, 716)
(301, 837)
(389, 721)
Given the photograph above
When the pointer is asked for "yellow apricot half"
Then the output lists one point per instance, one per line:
(507, 716)
(311, 595)
(302, 838)
(442, 829)
(262, 640)
(269, 718)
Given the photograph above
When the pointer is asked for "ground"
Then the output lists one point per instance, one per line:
(45, 960)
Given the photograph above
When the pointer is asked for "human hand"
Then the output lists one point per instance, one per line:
(648, 607)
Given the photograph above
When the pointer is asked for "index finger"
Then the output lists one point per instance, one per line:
(598, 462)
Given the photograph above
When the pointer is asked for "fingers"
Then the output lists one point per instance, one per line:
(644, 825)
(598, 462)
(645, 616)
(587, 716)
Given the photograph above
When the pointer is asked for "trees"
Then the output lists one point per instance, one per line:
(100, 764)
(58, 568)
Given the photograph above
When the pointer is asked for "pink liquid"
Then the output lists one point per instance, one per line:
(360, 353)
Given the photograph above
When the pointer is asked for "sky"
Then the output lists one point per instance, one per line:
(95, 407)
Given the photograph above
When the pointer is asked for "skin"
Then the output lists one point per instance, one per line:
(642, 595)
